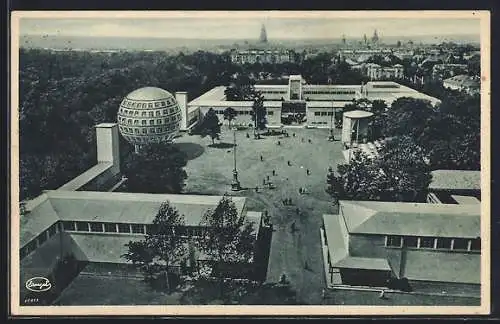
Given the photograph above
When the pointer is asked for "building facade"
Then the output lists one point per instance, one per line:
(300, 103)
(269, 56)
(93, 226)
(469, 84)
(433, 247)
(377, 72)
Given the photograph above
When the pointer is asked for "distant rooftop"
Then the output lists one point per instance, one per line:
(464, 81)
(455, 180)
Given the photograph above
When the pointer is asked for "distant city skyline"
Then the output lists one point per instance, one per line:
(249, 28)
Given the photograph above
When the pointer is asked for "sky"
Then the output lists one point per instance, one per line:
(244, 27)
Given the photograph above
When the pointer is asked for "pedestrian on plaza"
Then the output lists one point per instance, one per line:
(289, 163)
(293, 134)
(300, 190)
(309, 140)
(267, 178)
(248, 136)
(257, 189)
(279, 143)
(294, 228)
(264, 182)
(261, 158)
(308, 172)
(274, 172)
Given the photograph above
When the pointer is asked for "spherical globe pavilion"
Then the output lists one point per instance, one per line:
(149, 115)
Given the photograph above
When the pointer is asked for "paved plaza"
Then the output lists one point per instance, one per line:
(296, 254)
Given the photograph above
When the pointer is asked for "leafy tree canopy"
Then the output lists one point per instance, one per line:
(162, 247)
(157, 168)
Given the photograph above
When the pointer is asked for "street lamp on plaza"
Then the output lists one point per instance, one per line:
(331, 137)
(235, 184)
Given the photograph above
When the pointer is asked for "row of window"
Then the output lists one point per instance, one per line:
(153, 113)
(148, 139)
(39, 240)
(441, 243)
(123, 228)
(324, 113)
(157, 104)
(148, 130)
(345, 92)
(98, 227)
(273, 91)
(319, 123)
(242, 112)
(145, 122)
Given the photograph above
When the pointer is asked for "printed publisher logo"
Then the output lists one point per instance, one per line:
(38, 284)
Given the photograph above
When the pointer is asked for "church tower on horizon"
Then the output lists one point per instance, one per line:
(263, 34)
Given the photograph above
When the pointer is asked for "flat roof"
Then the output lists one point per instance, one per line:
(337, 239)
(358, 114)
(455, 180)
(116, 207)
(87, 176)
(363, 263)
(412, 219)
(39, 217)
(106, 125)
(215, 94)
(466, 200)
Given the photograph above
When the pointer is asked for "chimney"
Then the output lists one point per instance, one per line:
(108, 144)
(182, 99)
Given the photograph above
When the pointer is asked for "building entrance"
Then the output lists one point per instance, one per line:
(293, 113)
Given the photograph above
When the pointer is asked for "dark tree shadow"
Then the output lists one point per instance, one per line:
(192, 150)
(222, 145)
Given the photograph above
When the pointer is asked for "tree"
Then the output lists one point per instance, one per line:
(162, 247)
(228, 239)
(157, 168)
(258, 110)
(406, 170)
(210, 125)
(229, 115)
(400, 172)
(474, 65)
(361, 179)
(334, 186)
(409, 116)
(378, 120)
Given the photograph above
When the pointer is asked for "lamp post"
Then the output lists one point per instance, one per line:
(331, 137)
(235, 184)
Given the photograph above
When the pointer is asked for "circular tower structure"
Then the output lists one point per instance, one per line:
(149, 115)
(355, 127)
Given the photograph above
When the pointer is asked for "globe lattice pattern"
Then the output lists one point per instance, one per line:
(156, 120)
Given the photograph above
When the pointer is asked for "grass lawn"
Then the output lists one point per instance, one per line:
(89, 289)
(109, 290)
